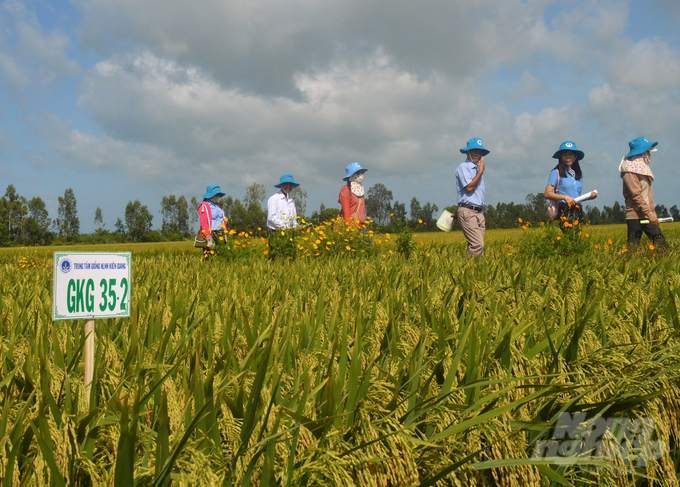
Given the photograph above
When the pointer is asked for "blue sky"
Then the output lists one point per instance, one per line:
(138, 99)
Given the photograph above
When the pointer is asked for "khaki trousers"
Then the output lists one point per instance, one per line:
(473, 225)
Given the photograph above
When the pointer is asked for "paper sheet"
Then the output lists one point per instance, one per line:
(584, 197)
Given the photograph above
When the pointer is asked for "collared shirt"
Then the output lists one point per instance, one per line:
(569, 186)
(217, 215)
(465, 173)
(281, 211)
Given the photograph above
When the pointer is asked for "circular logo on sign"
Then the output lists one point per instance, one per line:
(65, 266)
(569, 144)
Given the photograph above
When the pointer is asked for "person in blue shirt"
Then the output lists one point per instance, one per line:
(471, 192)
(567, 177)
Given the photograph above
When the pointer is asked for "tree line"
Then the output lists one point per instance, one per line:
(27, 222)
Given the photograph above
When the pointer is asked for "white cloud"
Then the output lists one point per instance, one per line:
(259, 45)
(650, 64)
(368, 109)
(31, 54)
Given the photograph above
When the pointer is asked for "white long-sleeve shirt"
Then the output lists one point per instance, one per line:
(281, 211)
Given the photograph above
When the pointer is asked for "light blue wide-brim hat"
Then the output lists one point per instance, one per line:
(287, 178)
(351, 168)
(640, 146)
(475, 143)
(213, 190)
(569, 145)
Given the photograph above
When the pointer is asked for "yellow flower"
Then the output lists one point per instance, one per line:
(391, 214)
(391, 252)
(420, 221)
(348, 247)
(258, 229)
(651, 247)
(559, 238)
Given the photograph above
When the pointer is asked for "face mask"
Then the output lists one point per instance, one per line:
(357, 177)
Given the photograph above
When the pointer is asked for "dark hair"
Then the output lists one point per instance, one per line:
(562, 169)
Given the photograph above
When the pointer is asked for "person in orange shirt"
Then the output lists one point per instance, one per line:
(353, 206)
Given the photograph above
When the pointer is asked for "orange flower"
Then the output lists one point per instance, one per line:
(575, 222)
(519, 220)
(266, 252)
(524, 227)
(609, 241)
(651, 247)
(605, 246)
(559, 238)
(596, 246)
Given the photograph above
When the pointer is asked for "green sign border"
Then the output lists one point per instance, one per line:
(122, 314)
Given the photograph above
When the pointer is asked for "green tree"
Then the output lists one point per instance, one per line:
(675, 213)
(37, 229)
(324, 214)
(661, 211)
(537, 208)
(378, 207)
(120, 227)
(175, 212)
(300, 198)
(415, 210)
(615, 214)
(398, 215)
(594, 216)
(137, 220)
(255, 193)
(193, 215)
(67, 223)
(98, 219)
(15, 211)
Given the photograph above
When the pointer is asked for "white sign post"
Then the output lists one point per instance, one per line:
(91, 285)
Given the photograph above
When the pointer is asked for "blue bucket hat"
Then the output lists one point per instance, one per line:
(475, 143)
(569, 145)
(640, 146)
(287, 178)
(213, 190)
(352, 168)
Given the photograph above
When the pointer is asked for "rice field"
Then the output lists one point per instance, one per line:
(360, 371)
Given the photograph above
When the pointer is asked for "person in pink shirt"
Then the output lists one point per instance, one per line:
(211, 216)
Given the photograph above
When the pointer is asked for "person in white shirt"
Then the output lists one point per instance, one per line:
(281, 211)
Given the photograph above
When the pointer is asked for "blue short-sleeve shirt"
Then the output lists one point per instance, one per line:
(217, 215)
(569, 186)
(464, 175)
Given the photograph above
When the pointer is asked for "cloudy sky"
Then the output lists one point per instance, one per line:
(137, 99)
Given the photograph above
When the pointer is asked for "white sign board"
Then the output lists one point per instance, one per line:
(89, 285)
